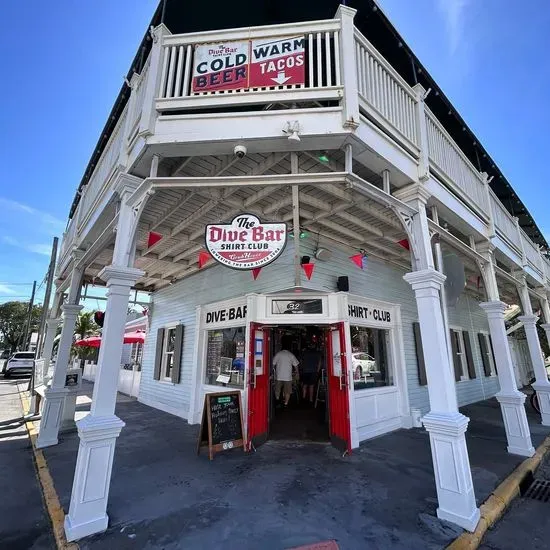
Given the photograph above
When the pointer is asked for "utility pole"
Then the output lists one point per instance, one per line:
(29, 316)
(46, 305)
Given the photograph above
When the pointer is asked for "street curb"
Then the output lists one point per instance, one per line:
(495, 506)
(53, 506)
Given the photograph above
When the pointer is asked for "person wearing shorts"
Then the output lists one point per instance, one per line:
(311, 365)
(284, 362)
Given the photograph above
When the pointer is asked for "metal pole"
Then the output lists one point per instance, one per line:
(296, 222)
(46, 305)
(29, 316)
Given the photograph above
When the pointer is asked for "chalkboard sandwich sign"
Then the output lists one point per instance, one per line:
(222, 423)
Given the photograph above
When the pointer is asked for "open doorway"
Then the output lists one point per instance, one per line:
(298, 401)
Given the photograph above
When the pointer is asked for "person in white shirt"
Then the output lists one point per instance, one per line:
(284, 362)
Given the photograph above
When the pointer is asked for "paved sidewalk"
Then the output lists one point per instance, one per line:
(285, 495)
(24, 523)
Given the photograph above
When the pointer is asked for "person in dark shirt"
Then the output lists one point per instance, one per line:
(311, 365)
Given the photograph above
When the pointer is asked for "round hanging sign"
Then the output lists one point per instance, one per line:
(246, 242)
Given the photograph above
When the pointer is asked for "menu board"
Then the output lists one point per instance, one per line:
(221, 426)
(213, 355)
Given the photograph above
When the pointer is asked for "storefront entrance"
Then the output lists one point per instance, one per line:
(298, 388)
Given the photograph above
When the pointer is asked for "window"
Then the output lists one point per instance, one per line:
(371, 365)
(225, 357)
(462, 355)
(168, 353)
(487, 358)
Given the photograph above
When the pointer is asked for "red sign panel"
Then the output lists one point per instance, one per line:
(219, 67)
(279, 62)
(245, 243)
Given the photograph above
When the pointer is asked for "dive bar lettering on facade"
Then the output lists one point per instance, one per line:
(246, 242)
(369, 313)
(228, 314)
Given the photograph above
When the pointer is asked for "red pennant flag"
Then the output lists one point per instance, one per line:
(153, 238)
(256, 272)
(357, 259)
(404, 243)
(203, 258)
(308, 270)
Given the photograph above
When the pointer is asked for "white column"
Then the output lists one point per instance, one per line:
(512, 401)
(542, 386)
(55, 395)
(546, 327)
(98, 431)
(445, 424)
(47, 350)
(348, 67)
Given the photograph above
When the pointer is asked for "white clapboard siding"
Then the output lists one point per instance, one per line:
(177, 304)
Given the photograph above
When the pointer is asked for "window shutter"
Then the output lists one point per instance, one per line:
(484, 354)
(456, 357)
(493, 353)
(158, 353)
(178, 344)
(422, 378)
(469, 356)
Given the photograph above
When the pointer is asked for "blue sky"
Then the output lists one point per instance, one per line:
(67, 59)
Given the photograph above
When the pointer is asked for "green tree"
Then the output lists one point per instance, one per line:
(13, 317)
(85, 326)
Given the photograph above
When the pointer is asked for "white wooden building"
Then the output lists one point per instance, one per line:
(361, 155)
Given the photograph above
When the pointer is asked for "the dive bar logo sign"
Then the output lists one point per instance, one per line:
(249, 64)
(246, 242)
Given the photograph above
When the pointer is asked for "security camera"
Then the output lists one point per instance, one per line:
(239, 151)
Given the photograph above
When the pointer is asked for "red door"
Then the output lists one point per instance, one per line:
(338, 393)
(258, 385)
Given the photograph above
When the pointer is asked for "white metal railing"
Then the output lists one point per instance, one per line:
(505, 223)
(100, 178)
(454, 165)
(322, 64)
(382, 88)
(532, 254)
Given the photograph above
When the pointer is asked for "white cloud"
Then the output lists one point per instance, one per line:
(37, 248)
(44, 217)
(5, 289)
(453, 13)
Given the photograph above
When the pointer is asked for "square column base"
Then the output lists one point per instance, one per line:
(515, 423)
(543, 394)
(87, 512)
(51, 417)
(68, 423)
(75, 532)
(453, 478)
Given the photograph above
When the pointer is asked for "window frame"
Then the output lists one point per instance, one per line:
(488, 346)
(163, 363)
(461, 352)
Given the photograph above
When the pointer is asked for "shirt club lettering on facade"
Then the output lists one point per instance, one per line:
(245, 243)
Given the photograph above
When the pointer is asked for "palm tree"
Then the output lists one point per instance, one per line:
(85, 326)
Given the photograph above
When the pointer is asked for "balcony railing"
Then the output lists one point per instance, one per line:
(323, 80)
(333, 58)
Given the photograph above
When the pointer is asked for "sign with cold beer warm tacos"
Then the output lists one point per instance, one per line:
(246, 242)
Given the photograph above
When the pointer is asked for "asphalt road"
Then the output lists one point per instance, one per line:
(24, 523)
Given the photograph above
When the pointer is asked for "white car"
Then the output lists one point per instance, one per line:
(362, 363)
(21, 362)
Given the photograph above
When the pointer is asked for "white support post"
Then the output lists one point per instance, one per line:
(348, 66)
(491, 217)
(51, 330)
(422, 131)
(55, 396)
(445, 424)
(521, 245)
(529, 320)
(512, 401)
(546, 314)
(148, 113)
(99, 430)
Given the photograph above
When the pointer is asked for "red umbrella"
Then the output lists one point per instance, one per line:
(136, 337)
(91, 341)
